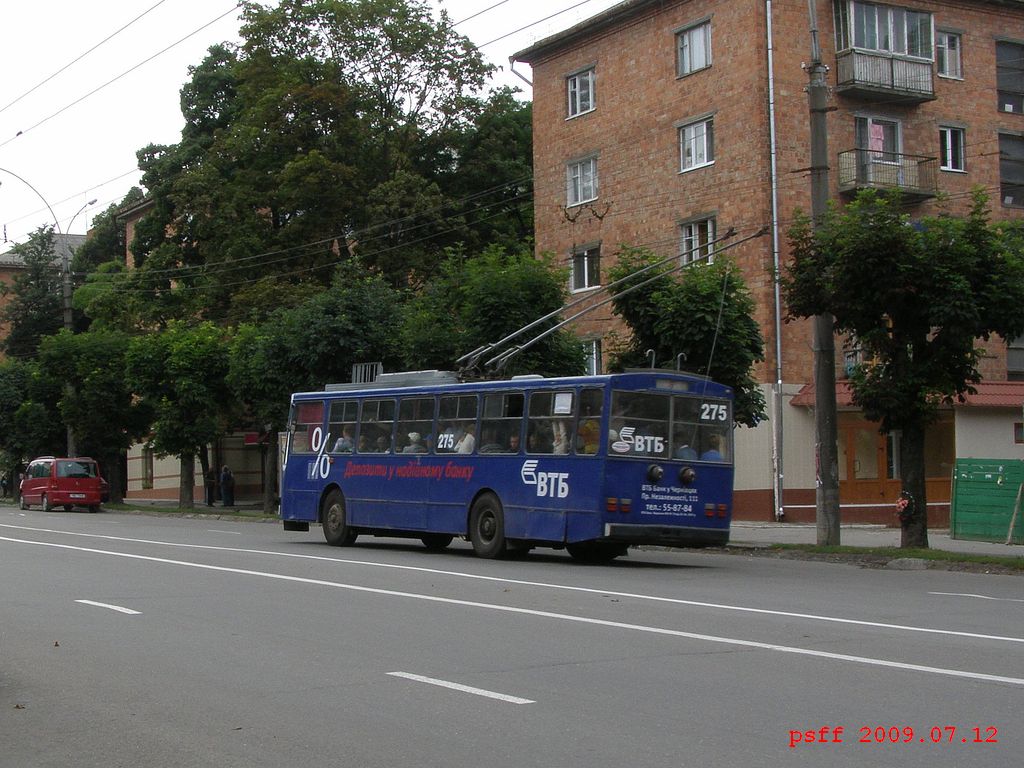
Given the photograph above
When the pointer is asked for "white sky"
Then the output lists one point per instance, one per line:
(72, 153)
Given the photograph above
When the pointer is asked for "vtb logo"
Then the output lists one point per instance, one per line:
(630, 441)
(554, 485)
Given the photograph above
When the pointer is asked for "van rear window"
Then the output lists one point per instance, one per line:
(76, 469)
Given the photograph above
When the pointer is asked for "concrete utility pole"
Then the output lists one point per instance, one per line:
(827, 464)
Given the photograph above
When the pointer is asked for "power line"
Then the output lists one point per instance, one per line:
(118, 77)
(74, 61)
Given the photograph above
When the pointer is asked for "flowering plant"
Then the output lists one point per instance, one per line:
(904, 506)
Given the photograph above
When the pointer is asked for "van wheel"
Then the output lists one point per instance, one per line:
(487, 527)
(94, 508)
(47, 506)
(335, 522)
(68, 507)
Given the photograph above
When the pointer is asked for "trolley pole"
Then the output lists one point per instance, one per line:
(827, 464)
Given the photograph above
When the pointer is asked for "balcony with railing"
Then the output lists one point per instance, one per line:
(881, 76)
(915, 176)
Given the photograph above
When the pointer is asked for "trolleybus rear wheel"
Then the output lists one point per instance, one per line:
(487, 527)
(335, 521)
(595, 552)
(435, 542)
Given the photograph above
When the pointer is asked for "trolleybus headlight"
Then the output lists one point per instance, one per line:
(687, 475)
(655, 473)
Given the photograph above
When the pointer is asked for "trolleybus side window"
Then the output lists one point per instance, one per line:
(640, 423)
(309, 417)
(456, 417)
(550, 425)
(341, 425)
(415, 425)
(502, 417)
(588, 431)
(376, 423)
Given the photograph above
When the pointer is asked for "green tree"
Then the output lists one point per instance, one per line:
(304, 347)
(99, 407)
(29, 422)
(106, 241)
(704, 313)
(180, 373)
(915, 297)
(34, 309)
(478, 301)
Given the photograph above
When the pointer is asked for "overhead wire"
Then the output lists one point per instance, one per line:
(81, 56)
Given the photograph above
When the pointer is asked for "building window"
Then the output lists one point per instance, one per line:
(1018, 432)
(586, 268)
(697, 241)
(947, 54)
(592, 349)
(147, 469)
(951, 149)
(693, 48)
(1015, 359)
(581, 181)
(1010, 76)
(883, 28)
(580, 91)
(1011, 170)
(696, 144)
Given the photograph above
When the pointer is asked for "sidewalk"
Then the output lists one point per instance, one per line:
(745, 533)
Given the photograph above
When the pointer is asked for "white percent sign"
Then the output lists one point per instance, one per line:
(322, 464)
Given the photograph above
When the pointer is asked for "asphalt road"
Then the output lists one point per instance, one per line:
(159, 641)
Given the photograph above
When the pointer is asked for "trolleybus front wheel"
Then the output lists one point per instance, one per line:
(335, 522)
(487, 527)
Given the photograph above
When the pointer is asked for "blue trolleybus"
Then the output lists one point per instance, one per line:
(589, 463)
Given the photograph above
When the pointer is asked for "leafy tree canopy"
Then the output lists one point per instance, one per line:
(704, 313)
(915, 297)
(35, 306)
(477, 301)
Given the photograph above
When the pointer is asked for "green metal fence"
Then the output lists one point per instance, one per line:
(986, 494)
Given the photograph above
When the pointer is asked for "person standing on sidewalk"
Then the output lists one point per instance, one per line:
(210, 481)
(227, 486)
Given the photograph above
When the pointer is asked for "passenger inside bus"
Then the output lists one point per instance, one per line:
(415, 444)
(344, 444)
(468, 440)
(714, 450)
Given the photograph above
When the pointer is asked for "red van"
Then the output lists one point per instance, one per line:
(51, 482)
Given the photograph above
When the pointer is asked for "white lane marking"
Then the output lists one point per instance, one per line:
(463, 688)
(216, 530)
(117, 608)
(541, 585)
(541, 614)
(980, 597)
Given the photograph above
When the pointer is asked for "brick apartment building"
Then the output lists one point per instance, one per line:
(665, 123)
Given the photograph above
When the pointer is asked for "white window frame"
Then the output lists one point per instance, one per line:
(585, 255)
(696, 144)
(581, 92)
(693, 48)
(885, 28)
(592, 349)
(949, 54)
(952, 141)
(696, 240)
(581, 181)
